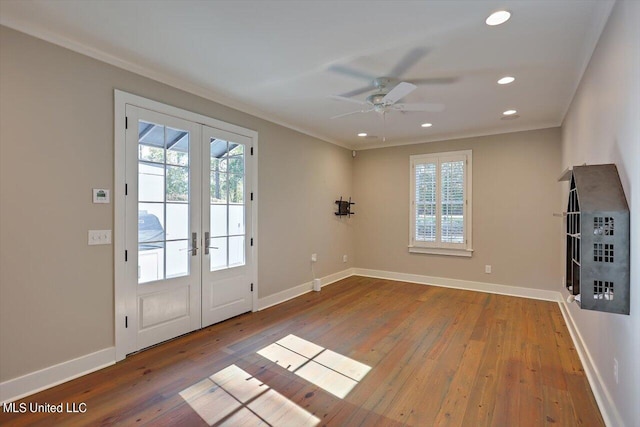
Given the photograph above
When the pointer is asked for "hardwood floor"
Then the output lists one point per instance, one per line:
(437, 357)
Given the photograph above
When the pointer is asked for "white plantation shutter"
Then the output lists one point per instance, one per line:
(452, 200)
(440, 203)
(425, 205)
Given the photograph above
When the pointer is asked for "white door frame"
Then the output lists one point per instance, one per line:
(125, 337)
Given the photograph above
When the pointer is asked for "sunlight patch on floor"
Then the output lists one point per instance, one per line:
(233, 397)
(327, 369)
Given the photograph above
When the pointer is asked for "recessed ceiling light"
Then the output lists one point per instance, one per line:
(497, 18)
(506, 80)
(362, 134)
(426, 125)
(509, 112)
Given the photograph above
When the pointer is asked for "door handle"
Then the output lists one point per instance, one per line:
(207, 243)
(194, 244)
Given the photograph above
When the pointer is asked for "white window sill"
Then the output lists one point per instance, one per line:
(441, 251)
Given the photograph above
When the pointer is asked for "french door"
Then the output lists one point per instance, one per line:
(187, 221)
(226, 283)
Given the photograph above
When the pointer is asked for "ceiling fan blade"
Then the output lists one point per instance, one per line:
(341, 69)
(344, 98)
(350, 113)
(431, 108)
(357, 91)
(433, 81)
(397, 93)
(409, 60)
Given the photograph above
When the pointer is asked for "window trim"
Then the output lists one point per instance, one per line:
(440, 248)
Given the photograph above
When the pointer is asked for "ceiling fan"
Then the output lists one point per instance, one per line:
(385, 100)
(389, 90)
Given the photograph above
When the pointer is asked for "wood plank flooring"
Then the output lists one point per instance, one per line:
(437, 357)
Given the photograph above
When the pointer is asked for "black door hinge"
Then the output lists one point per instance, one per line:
(252, 287)
(126, 321)
(252, 151)
(252, 241)
(126, 256)
(126, 122)
(126, 189)
(252, 197)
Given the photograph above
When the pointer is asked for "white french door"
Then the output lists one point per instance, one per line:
(226, 282)
(188, 224)
(163, 224)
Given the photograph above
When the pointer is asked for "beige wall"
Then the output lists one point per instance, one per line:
(603, 126)
(515, 193)
(56, 144)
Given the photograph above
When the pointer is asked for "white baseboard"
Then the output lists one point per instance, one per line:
(603, 398)
(296, 291)
(43, 379)
(491, 288)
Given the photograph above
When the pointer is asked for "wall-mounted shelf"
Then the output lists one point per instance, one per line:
(597, 239)
(344, 207)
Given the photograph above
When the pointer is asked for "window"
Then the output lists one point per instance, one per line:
(440, 218)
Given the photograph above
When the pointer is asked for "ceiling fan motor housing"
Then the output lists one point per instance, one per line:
(376, 99)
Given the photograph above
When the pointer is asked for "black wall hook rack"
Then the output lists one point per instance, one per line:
(344, 207)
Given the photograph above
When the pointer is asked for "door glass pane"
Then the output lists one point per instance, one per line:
(177, 184)
(150, 222)
(177, 258)
(177, 147)
(150, 182)
(218, 220)
(150, 262)
(218, 150)
(218, 253)
(151, 142)
(177, 221)
(218, 187)
(227, 176)
(163, 202)
(236, 165)
(236, 150)
(236, 219)
(236, 251)
(236, 188)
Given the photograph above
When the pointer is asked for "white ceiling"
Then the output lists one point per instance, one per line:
(277, 59)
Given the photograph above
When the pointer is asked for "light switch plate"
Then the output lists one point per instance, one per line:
(99, 237)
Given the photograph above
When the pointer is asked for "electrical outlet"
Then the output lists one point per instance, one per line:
(615, 369)
(487, 269)
(344, 258)
(314, 257)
